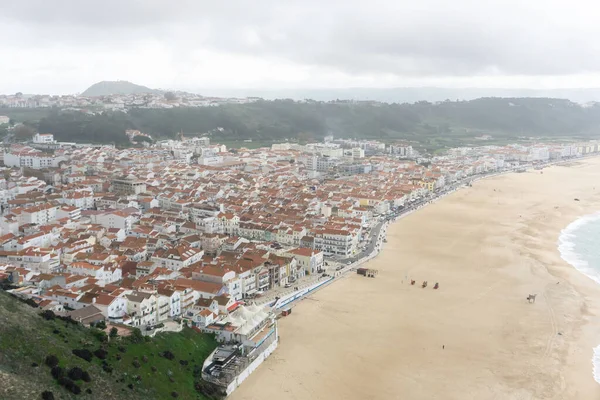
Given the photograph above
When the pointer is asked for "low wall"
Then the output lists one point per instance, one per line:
(282, 302)
(252, 367)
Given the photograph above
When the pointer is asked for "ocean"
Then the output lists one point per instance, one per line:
(578, 245)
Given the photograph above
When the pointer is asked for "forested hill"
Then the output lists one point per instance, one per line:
(433, 125)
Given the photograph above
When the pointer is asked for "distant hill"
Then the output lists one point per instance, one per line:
(106, 88)
(407, 94)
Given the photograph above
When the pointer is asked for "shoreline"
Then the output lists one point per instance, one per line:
(566, 247)
(348, 270)
(489, 246)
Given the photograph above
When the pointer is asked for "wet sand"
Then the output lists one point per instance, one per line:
(488, 246)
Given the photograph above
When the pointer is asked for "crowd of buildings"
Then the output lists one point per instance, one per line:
(185, 229)
(117, 101)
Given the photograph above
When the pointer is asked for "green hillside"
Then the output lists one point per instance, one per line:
(106, 88)
(428, 125)
(131, 369)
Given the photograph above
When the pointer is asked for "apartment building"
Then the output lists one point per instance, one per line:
(334, 242)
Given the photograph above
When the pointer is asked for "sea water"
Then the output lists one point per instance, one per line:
(578, 245)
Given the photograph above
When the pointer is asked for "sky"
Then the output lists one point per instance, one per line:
(64, 46)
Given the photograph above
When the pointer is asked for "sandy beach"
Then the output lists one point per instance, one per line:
(488, 246)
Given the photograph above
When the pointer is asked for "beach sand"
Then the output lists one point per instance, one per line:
(488, 246)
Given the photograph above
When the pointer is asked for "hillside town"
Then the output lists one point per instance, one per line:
(187, 232)
(116, 102)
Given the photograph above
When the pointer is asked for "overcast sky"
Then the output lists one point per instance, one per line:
(64, 46)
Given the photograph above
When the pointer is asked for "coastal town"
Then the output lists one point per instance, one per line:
(189, 232)
(117, 102)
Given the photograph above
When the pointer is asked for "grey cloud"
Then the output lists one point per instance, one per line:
(425, 38)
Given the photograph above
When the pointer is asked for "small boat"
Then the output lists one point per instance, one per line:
(437, 285)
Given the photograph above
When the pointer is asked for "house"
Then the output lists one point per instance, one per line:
(204, 318)
(87, 315)
(144, 268)
(176, 258)
(70, 212)
(221, 275)
(142, 309)
(41, 215)
(203, 313)
(112, 307)
(174, 300)
(65, 297)
(229, 223)
(200, 289)
(123, 219)
(310, 260)
(44, 281)
(226, 303)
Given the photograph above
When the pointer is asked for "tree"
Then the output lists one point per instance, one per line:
(170, 96)
(99, 334)
(23, 132)
(114, 333)
(141, 138)
(136, 336)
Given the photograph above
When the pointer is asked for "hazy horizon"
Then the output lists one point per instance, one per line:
(386, 95)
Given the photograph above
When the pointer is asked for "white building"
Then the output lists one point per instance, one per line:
(129, 185)
(142, 308)
(309, 260)
(43, 138)
(40, 215)
(121, 219)
(30, 158)
(173, 298)
(335, 242)
(404, 151)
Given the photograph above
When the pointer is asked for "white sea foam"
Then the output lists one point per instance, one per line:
(596, 363)
(567, 243)
(566, 246)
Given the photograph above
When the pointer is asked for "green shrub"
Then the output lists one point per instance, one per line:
(75, 373)
(57, 372)
(51, 360)
(47, 395)
(83, 353)
(114, 333)
(101, 353)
